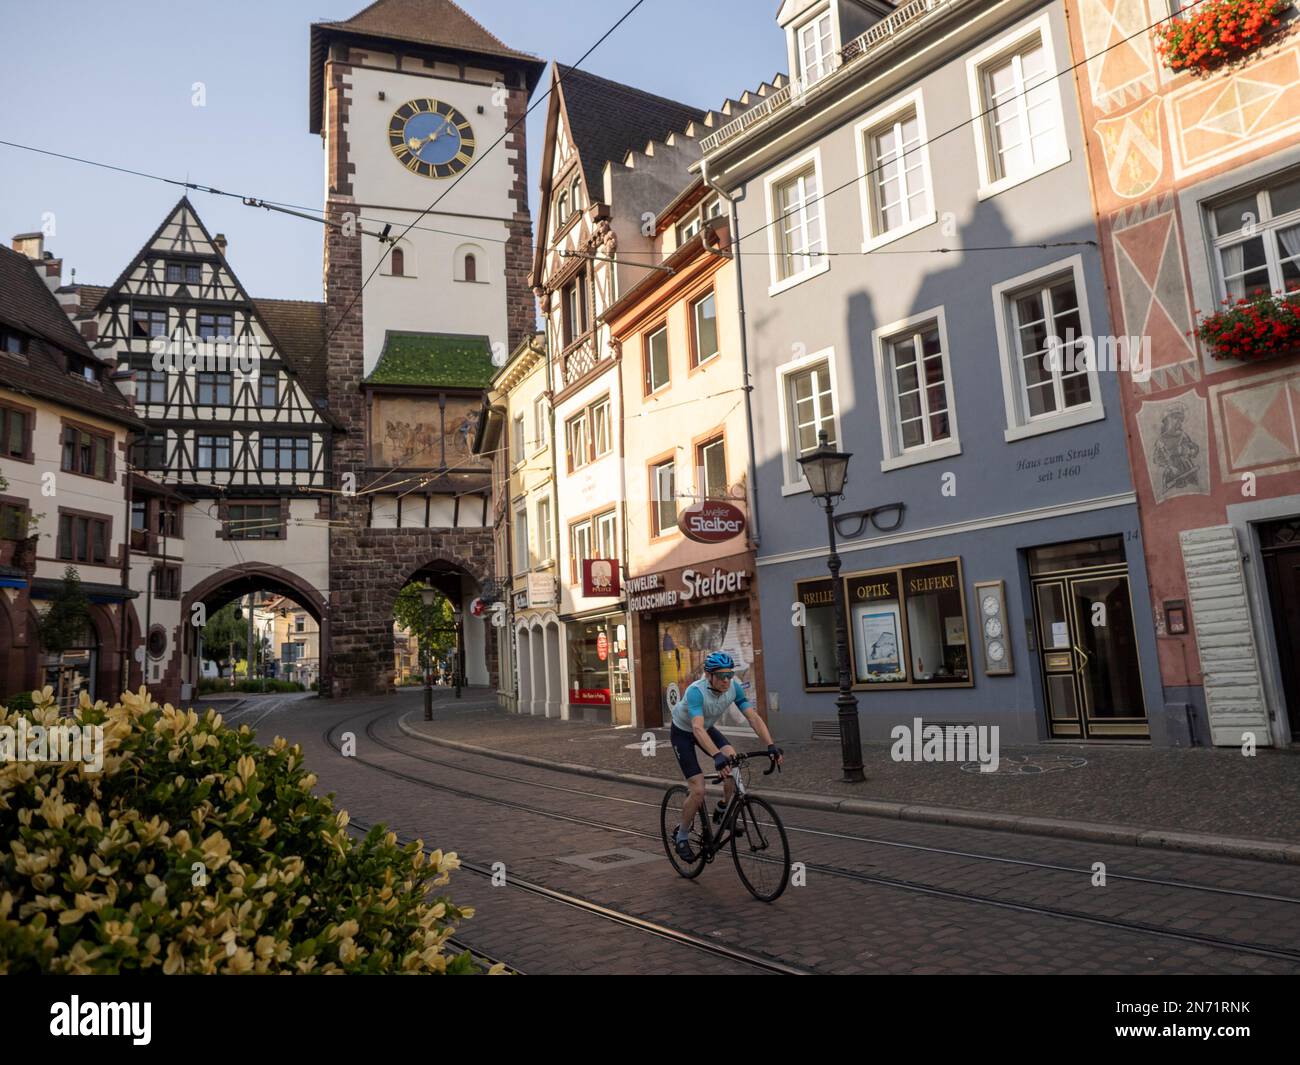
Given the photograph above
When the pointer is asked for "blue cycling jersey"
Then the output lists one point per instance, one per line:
(703, 701)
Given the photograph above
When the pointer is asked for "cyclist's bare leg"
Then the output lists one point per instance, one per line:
(693, 801)
(728, 784)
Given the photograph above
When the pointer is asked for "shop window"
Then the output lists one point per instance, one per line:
(820, 671)
(906, 625)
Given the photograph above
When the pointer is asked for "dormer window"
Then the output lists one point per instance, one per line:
(11, 342)
(815, 48)
(561, 210)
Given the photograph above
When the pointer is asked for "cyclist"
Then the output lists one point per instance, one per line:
(695, 717)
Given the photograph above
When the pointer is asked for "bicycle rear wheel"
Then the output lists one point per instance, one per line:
(670, 816)
(760, 850)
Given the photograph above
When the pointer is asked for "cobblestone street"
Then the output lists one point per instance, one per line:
(880, 895)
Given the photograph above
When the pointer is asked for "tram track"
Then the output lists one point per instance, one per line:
(931, 890)
(759, 962)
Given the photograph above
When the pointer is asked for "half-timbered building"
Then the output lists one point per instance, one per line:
(230, 481)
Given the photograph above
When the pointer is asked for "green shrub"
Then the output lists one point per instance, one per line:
(195, 850)
(20, 701)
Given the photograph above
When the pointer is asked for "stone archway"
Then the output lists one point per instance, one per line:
(223, 587)
(458, 562)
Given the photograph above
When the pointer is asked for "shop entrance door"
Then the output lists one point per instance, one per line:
(1280, 547)
(1088, 643)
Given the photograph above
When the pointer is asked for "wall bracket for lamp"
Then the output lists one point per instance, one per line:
(879, 517)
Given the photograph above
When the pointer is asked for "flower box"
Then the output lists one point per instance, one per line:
(1215, 32)
(1253, 329)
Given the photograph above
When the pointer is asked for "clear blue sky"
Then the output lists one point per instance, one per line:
(112, 82)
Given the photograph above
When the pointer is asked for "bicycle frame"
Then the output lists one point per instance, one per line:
(713, 844)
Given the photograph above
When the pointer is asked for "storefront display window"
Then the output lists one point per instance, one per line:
(875, 617)
(817, 632)
(687, 639)
(907, 628)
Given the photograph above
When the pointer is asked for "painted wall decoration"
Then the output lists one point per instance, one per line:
(1176, 445)
(1257, 419)
(1123, 67)
(1133, 147)
(1212, 121)
(1153, 290)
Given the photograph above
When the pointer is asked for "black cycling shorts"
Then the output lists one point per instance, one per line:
(687, 753)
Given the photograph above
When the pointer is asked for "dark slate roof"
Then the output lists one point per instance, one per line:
(446, 360)
(608, 119)
(30, 308)
(436, 23)
(298, 327)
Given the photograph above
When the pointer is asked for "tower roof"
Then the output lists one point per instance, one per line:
(438, 24)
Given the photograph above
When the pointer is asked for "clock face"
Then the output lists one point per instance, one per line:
(996, 651)
(431, 138)
(993, 627)
(990, 605)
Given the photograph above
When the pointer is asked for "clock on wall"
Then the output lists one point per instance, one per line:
(991, 600)
(431, 138)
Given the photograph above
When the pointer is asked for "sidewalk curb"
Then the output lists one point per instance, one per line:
(1089, 831)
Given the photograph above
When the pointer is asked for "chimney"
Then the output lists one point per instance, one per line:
(220, 241)
(30, 244)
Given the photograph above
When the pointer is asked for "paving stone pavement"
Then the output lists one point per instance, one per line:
(835, 923)
(1205, 790)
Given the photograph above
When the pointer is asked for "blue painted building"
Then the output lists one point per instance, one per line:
(916, 234)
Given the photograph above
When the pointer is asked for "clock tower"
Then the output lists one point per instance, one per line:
(419, 109)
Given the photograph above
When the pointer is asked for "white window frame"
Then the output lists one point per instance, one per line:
(896, 456)
(523, 550)
(656, 487)
(792, 474)
(540, 424)
(604, 403)
(599, 524)
(819, 264)
(1019, 423)
(827, 65)
(702, 489)
(862, 133)
(1041, 27)
(545, 531)
(1267, 225)
(518, 442)
(694, 325)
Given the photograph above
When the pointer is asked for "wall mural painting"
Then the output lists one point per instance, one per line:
(1153, 291)
(1257, 420)
(1176, 443)
(1123, 68)
(1134, 150)
(1211, 122)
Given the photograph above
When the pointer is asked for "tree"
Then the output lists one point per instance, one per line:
(225, 632)
(64, 624)
(433, 625)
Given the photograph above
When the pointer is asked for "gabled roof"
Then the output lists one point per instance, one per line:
(608, 119)
(435, 23)
(301, 345)
(433, 360)
(28, 307)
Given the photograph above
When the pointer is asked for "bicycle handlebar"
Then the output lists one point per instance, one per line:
(757, 754)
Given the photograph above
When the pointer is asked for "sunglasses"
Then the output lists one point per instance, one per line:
(724, 676)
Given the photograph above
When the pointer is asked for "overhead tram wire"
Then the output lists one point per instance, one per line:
(739, 239)
(979, 117)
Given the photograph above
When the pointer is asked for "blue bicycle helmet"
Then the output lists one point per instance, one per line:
(718, 660)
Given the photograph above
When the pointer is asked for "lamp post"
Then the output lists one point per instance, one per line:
(826, 470)
(427, 596)
(457, 667)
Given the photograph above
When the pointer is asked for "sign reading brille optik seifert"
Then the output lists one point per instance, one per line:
(711, 521)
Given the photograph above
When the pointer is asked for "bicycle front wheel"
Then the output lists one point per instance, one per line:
(670, 816)
(760, 850)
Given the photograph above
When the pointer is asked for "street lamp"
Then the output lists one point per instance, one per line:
(826, 470)
(427, 596)
(457, 668)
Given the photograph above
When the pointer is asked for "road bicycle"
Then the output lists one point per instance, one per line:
(758, 842)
